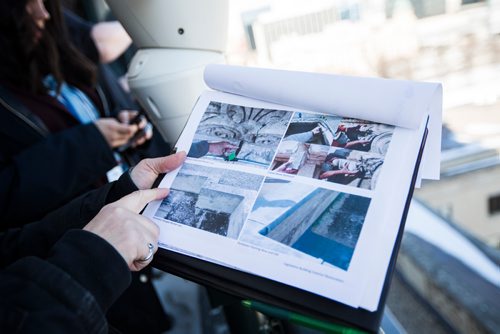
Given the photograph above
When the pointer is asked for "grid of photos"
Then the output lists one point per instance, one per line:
(321, 223)
(211, 199)
(239, 134)
(334, 149)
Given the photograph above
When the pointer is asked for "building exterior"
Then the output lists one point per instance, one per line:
(468, 192)
(446, 281)
(393, 38)
(455, 42)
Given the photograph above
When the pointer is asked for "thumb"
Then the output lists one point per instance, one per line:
(166, 164)
(137, 200)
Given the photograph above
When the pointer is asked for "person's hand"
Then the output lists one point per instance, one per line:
(316, 130)
(284, 166)
(344, 172)
(220, 148)
(328, 174)
(147, 170)
(115, 133)
(145, 129)
(120, 224)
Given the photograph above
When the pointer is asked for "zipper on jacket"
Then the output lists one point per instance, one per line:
(104, 101)
(25, 119)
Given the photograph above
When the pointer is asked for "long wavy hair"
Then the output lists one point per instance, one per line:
(25, 62)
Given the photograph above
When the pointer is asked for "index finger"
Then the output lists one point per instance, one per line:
(137, 200)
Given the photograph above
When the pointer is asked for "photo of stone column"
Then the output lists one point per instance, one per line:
(239, 134)
(210, 199)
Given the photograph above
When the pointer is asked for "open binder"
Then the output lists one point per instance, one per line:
(296, 237)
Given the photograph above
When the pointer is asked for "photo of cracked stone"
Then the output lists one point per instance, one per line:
(334, 149)
(320, 223)
(239, 134)
(211, 199)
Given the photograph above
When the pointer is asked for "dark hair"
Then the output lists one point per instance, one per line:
(24, 62)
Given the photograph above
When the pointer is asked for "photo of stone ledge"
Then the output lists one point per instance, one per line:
(321, 223)
(210, 199)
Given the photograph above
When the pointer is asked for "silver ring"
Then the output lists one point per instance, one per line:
(148, 257)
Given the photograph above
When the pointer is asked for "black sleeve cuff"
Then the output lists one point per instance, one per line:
(198, 149)
(94, 264)
(122, 187)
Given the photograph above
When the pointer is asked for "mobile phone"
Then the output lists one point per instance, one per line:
(137, 119)
(137, 135)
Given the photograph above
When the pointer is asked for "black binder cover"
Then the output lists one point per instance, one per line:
(249, 286)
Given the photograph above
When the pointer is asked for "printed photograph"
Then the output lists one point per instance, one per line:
(334, 149)
(338, 165)
(320, 223)
(211, 199)
(349, 133)
(364, 136)
(312, 128)
(239, 134)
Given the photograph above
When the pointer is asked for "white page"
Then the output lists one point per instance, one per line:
(277, 260)
(431, 159)
(394, 209)
(396, 102)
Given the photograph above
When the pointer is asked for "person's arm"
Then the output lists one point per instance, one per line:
(84, 273)
(286, 167)
(101, 42)
(48, 174)
(203, 147)
(344, 172)
(302, 137)
(198, 149)
(37, 238)
(356, 144)
(69, 292)
(111, 40)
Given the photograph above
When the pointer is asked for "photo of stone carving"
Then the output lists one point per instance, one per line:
(337, 165)
(320, 223)
(242, 135)
(210, 199)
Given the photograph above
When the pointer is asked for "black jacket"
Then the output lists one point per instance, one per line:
(40, 171)
(56, 278)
